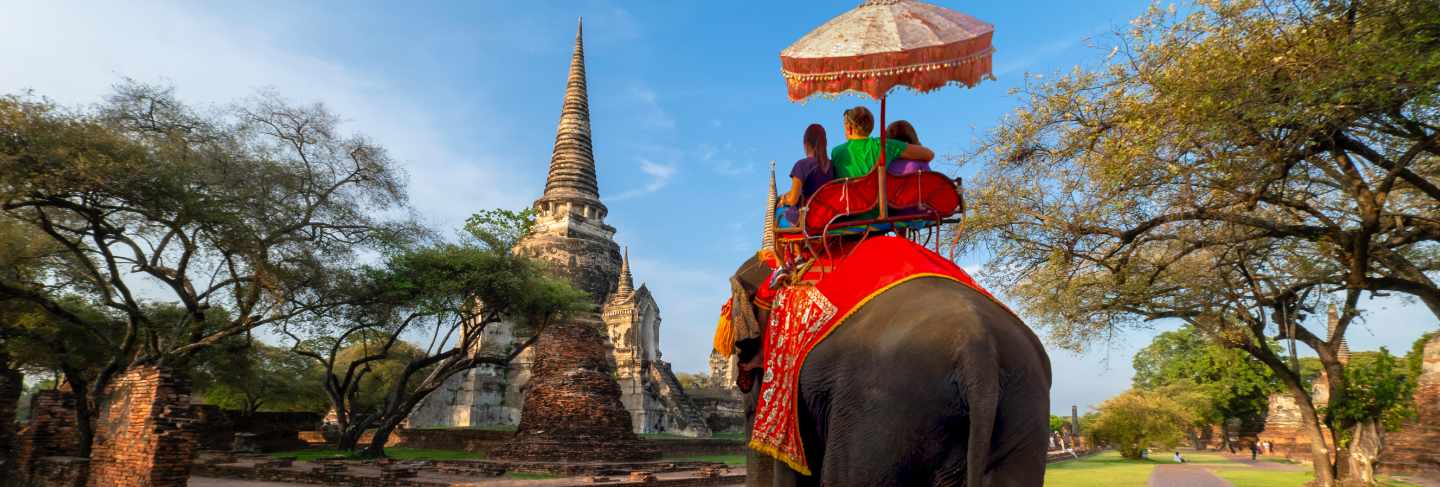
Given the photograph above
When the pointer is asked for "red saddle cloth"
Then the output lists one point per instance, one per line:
(803, 315)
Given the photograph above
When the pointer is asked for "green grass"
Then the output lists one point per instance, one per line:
(395, 453)
(529, 476)
(1106, 469)
(1109, 469)
(733, 459)
(729, 435)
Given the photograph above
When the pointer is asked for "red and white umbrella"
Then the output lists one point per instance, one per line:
(887, 43)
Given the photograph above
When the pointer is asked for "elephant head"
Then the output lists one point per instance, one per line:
(747, 319)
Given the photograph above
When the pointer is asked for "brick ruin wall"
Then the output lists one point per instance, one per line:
(51, 431)
(1415, 448)
(1412, 449)
(144, 434)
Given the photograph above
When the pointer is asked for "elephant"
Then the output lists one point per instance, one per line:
(929, 383)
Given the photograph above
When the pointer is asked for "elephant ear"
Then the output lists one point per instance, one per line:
(742, 311)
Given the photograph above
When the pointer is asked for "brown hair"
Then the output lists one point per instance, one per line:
(861, 118)
(815, 141)
(902, 131)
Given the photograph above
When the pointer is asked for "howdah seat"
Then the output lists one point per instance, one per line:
(852, 205)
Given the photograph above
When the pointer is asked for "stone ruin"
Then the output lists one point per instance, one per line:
(1414, 448)
(143, 435)
(571, 236)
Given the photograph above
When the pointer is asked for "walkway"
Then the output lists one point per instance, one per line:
(214, 482)
(1185, 476)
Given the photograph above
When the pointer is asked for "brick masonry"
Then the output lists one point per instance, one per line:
(573, 411)
(1415, 448)
(60, 472)
(144, 433)
(51, 431)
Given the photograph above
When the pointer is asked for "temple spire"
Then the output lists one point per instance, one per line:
(572, 163)
(767, 241)
(627, 283)
(1342, 349)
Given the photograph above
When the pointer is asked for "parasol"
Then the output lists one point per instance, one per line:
(887, 43)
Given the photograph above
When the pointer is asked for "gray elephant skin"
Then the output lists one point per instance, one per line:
(929, 383)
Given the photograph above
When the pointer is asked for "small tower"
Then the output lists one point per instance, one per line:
(1342, 349)
(767, 241)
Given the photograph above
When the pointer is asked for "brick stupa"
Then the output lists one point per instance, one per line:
(572, 409)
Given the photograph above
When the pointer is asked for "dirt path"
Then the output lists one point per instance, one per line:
(213, 482)
(1185, 476)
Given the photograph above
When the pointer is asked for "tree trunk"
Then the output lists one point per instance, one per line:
(382, 436)
(1319, 454)
(84, 421)
(350, 437)
(1367, 440)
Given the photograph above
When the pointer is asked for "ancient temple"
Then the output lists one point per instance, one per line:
(1284, 425)
(590, 384)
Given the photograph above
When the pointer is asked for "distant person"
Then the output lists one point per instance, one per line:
(1178, 458)
(902, 131)
(806, 176)
(1254, 451)
(860, 152)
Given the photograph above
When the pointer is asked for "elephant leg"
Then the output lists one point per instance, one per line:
(1016, 474)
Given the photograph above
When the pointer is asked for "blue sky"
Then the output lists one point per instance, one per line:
(686, 101)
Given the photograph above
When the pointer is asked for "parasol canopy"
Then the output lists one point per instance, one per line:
(887, 43)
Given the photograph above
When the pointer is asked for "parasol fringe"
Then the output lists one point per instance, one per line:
(965, 62)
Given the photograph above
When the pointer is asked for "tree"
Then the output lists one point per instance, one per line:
(239, 212)
(246, 375)
(447, 293)
(1231, 383)
(1233, 168)
(1135, 420)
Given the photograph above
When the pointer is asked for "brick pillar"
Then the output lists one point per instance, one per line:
(143, 432)
(50, 432)
(10, 384)
(573, 411)
(1427, 390)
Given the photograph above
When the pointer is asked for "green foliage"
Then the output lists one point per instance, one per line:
(1135, 420)
(691, 382)
(250, 376)
(1379, 389)
(1057, 423)
(235, 215)
(382, 375)
(1415, 358)
(1229, 382)
(500, 229)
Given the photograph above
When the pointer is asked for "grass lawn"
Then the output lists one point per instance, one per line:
(733, 460)
(1106, 468)
(529, 476)
(395, 453)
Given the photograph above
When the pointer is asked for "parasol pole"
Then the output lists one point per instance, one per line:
(881, 168)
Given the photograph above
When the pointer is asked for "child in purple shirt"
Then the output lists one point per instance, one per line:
(902, 131)
(806, 176)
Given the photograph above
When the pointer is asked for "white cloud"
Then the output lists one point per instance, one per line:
(660, 176)
(649, 110)
(74, 52)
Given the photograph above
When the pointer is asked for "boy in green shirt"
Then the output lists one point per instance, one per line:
(861, 152)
